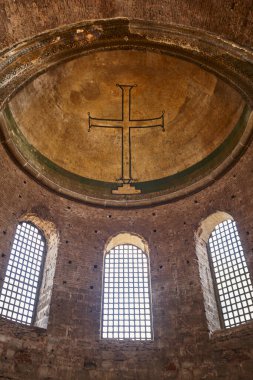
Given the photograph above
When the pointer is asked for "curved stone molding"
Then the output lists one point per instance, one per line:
(126, 238)
(28, 59)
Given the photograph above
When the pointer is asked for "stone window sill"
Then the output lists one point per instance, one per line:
(232, 332)
(15, 327)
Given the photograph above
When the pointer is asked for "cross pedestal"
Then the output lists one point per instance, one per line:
(125, 189)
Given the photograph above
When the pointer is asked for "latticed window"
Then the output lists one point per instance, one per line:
(23, 275)
(232, 281)
(126, 305)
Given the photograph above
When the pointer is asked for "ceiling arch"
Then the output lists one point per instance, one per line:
(202, 84)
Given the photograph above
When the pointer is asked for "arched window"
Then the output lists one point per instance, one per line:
(231, 276)
(126, 301)
(225, 279)
(27, 287)
(22, 280)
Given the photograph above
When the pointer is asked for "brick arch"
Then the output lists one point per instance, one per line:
(126, 238)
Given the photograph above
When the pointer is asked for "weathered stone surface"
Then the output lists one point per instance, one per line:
(231, 19)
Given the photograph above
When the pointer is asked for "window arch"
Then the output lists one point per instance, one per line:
(27, 287)
(225, 279)
(126, 301)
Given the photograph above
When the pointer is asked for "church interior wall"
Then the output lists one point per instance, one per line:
(71, 347)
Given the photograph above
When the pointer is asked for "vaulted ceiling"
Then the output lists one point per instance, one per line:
(76, 100)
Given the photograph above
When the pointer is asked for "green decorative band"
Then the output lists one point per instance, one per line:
(101, 189)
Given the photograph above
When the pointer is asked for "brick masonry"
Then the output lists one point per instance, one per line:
(70, 348)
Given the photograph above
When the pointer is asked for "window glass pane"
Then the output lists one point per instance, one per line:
(127, 299)
(20, 287)
(230, 273)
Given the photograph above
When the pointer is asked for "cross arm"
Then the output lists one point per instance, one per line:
(148, 123)
(104, 123)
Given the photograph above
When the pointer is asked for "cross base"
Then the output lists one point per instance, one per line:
(125, 189)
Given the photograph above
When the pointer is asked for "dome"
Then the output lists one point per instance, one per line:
(126, 126)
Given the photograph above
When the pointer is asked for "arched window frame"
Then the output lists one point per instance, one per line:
(24, 238)
(125, 238)
(44, 292)
(212, 305)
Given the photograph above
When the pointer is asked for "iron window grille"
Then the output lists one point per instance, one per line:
(126, 301)
(22, 280)
(232, 283)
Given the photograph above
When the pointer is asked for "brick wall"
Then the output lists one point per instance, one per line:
(70, 348)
